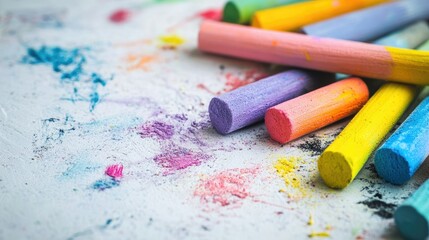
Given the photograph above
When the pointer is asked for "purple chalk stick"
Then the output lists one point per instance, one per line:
(371, 23)
(247, 105)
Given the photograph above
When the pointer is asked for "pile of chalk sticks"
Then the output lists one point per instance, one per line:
(340, 48)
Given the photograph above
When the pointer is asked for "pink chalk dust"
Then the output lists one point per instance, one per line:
(114, 171)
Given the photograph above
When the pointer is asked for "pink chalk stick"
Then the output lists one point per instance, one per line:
(325, 54)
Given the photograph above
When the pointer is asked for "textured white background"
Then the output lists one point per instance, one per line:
(37, 199)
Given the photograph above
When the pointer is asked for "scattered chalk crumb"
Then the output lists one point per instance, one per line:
(310, 220)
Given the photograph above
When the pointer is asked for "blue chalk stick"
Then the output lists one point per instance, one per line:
(408, 37)
(412, 217)
(371, 23)
(402, 154)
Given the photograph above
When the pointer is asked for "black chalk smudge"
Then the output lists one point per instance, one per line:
(382, 209)
(314, 145)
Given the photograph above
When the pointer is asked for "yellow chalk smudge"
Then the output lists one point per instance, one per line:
(307, 56)
(319, 234)
(286, 168)
(171, 41)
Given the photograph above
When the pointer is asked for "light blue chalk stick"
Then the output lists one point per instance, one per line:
(402, 154)
(408, 37)
(371, 23)
(412, 217)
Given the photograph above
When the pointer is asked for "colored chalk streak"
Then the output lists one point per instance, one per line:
(331, 55)
(342, 160)
(241, 11)
(412, 217)
(247, 105)
(293, 17)
(401, 155)
(371, 23)
(312, 111)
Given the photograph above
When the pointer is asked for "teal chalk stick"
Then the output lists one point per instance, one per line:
(412, 217)
(401, 155)
(241, 11)
(408, 37)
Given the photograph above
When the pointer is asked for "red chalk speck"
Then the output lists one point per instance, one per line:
(234, 81)
(114, 171)
(211, 14)
(120, 16)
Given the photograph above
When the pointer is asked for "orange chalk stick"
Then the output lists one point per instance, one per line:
(294, 16)
(315, 110)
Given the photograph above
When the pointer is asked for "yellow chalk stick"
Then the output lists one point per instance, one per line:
(343, 159)
(294, 16)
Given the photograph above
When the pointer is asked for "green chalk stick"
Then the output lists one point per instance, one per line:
(241, 11)
(424, 46)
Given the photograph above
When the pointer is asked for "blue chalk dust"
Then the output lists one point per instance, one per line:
(104, 184)
(401, 155)
(70, 64)
(412, 217)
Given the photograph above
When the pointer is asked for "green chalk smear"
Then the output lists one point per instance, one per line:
(241, 11)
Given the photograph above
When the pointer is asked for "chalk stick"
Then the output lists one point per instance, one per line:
(412, 217)
(241, 11)
(401, 155)
(371, 23)
(294, 16)
(247, 105)
(331, 55)
(343, 159)
(408, 37)
(424, 46)
(312, 111)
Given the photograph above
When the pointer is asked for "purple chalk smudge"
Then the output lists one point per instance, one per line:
(157, 129)
(178, 159)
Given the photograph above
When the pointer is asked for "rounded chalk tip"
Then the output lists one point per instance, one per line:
(391, 166)
(220, 116)
(411, 224)
(278, 125)
(335, 170)
(231, 13)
